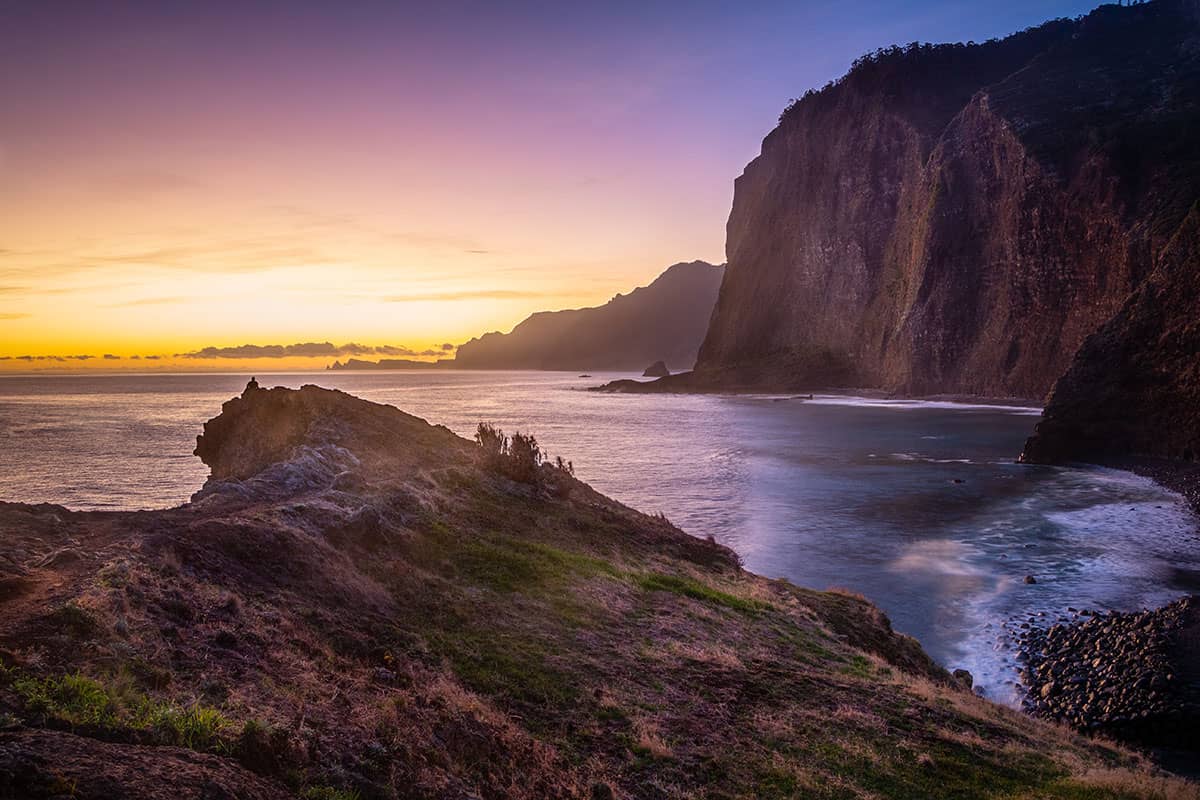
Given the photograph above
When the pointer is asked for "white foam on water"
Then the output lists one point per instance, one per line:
(944, 557)
(1115, 555)
(917, 405)
(929, 459)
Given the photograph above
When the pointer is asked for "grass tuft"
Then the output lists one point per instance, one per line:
(79, 701)
(690, 587)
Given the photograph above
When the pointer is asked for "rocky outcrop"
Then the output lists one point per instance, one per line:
(265, 428)
(656, 370)
(665, 320)
(960, 218)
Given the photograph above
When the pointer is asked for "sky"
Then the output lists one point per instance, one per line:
(216, 185)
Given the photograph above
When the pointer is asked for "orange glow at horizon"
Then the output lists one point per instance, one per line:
(176, 176)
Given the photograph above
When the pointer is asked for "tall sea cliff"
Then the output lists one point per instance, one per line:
(959, 219)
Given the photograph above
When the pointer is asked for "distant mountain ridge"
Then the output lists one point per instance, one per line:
(664, 321)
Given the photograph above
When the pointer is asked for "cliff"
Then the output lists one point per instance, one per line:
(359, 604)
(664, 321)
(960, 218)
(1133, 389)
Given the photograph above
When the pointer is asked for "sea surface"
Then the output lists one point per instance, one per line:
(917, 505)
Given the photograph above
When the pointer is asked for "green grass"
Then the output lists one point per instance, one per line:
(951, 770)
(195, 727)
(79, 701)
(859, 667)
(506, 565)
(74, 699)
(690, 587)
(495, 664)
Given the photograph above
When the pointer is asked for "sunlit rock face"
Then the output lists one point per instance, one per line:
(959, 219)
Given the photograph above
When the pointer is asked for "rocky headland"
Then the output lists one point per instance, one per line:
(998, 220)
(359, 604)
(663, 321)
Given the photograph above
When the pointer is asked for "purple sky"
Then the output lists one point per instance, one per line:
(214, 173)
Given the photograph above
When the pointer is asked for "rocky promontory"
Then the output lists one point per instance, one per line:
(664, 320)
(360, 604)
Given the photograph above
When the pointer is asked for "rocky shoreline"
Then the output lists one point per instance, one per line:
(1132, 676)
(1182, 477)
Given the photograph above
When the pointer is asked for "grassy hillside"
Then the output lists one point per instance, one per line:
(363, 605)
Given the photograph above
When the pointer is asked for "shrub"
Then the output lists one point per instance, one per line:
(525, 457)
(518, 456)
(74, 620)
(492, 440)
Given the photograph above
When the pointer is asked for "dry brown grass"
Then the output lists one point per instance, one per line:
(648, 737)
(1141, 785)
(712, 653)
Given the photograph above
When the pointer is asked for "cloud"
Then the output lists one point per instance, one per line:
(271, 238)
(447, 346)
(13, 316)
(303, 350)
(111, 357)
(151, 358)
(81, 358)
(147, 301)
(479, 294)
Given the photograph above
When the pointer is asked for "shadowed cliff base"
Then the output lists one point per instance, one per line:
(1133, 389)
(359, 604)
(794, 370)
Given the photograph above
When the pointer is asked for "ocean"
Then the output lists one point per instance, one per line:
(917, 505)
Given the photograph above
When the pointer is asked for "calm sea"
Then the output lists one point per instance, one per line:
(917, 505)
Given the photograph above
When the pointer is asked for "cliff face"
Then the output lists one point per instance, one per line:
(1134, 386)
(958, 219)
(664, 321)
